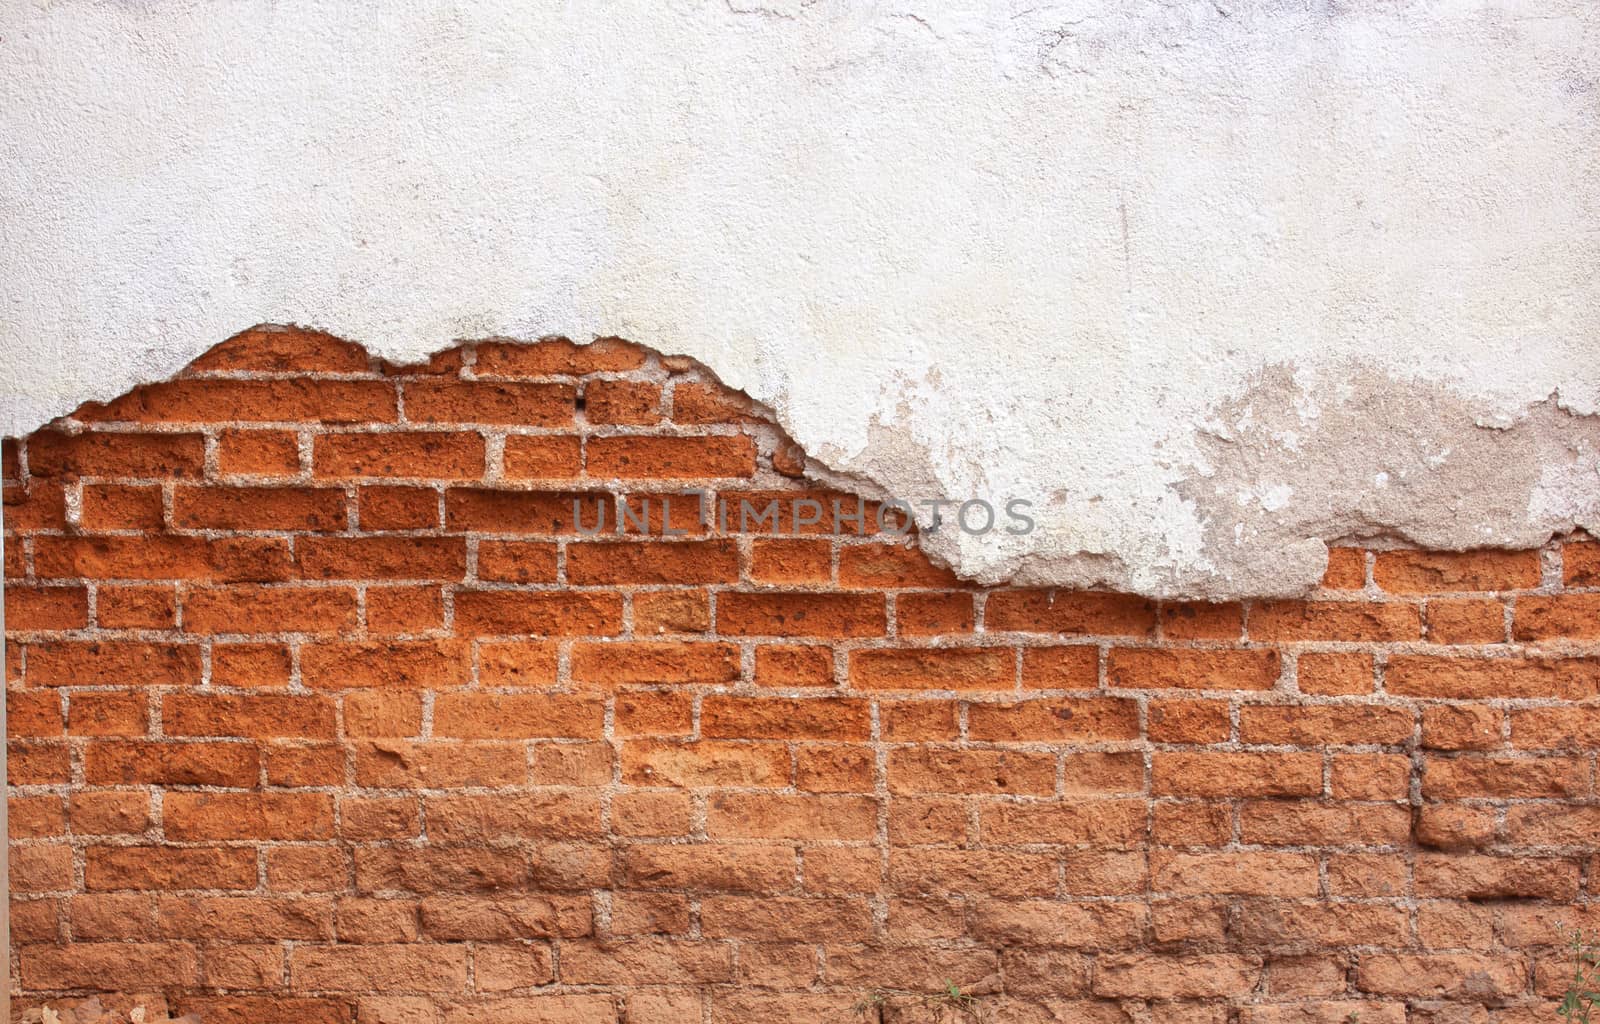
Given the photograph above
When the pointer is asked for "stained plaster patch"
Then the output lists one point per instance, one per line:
(1212, 284)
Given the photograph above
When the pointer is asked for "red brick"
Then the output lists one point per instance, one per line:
(1350, 621)
(557, 357)
(1581, 564)
(1466, 621)
(1194, 621)
(1161, 668)
(517, 663)
(136, 607)
(171, 764)
(699, 403)
(1065, 611)
(1188, 721)
(247, 716)
(108, 713)
(121, 507)
(890, 566)
(409, 967)
(709, 867)
(46, 608)
(116, 455)
(1477, 678)
(795, 614)
(461, 401)
(407, 664)
(418, 454)
(1152, 976)
(319, 610)
(824, 718)
(1061, 668)
(1243, 873)
(945, 770)
(294, 399)
(110, 965)
(1467, 777)
(110, 812)
(382, 558)
(544, 457)
(976, 872)
(283, 350)
(1575, 616)
(250, 666)
(1432, 572)
(169, 868)
(934, 668)
(1461, 727)
(1347, 569)
(933, 614)
(654, 714)
(779, 816)
(37, 507)
(1084, 719)
(258, 508)
(398, 508)
(622, 401)
(791, 561)
(112, 663)
(491, 612)
(706, 763)
(671, 458)
(258, 453)
(1106, 823)
(633, 562)
(789, 665)
(517, 716)
(162, 557)
(1235, 774)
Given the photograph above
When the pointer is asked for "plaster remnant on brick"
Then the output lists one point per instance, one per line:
(1214, 285)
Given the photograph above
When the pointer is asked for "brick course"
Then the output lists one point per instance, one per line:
(324, 707)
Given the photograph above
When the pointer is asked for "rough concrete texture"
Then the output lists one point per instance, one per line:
(1212, 283)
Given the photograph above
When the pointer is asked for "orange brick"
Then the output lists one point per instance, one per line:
(191, 817)
(621, 401)
(258, 508)
(1189, 721)
(1063, 611)
(283, 350)
(1222, 774)
(944, 770)
(777, 816)
(407, 664)
(1575, 616)
(654, 663)
(323, 610)
(393, 611)
(1061, 668)
(46, 608)
(1334, 674)
(545, 457)
(108, 713)
(795, 614)
(791, 561)
(382, 558)
(557, 357)
(112, 663)
(1477, 678)
(1431, 572)
(293, 399)
(700, 403)
(1195, 621)
(136, 607)
(248, 717)
(593, 563)
(250, 666)
(1141, 668)
(499, 612)
(933, 614)
(119, 762)
(705, 763)
(1347, 569)
(1082, 719)
(119, 507)
(1352, 621)
(117, 455)
(1465, 622)
(517, 716)
(934, 668)
(517, 663)
(1300, 725)
(459, 401)
(823, 718)
(1581, 564)
(889, 566)
(258, 453)
(425, 455)
(398, 508)
(786, 665)
(671, 458)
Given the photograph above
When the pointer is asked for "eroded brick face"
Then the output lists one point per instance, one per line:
(325, 707)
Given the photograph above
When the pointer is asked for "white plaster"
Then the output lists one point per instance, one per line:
(1015, 249)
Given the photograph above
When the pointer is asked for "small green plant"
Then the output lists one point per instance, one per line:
(1584, 989)
(871, 1004)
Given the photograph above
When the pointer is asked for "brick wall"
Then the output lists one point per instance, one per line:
(321, 710)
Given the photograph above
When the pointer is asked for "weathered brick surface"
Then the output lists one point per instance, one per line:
(326, 707)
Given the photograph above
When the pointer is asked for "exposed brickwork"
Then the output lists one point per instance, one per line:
(325, 708)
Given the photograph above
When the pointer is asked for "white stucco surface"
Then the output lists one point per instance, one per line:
(1212, 283)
